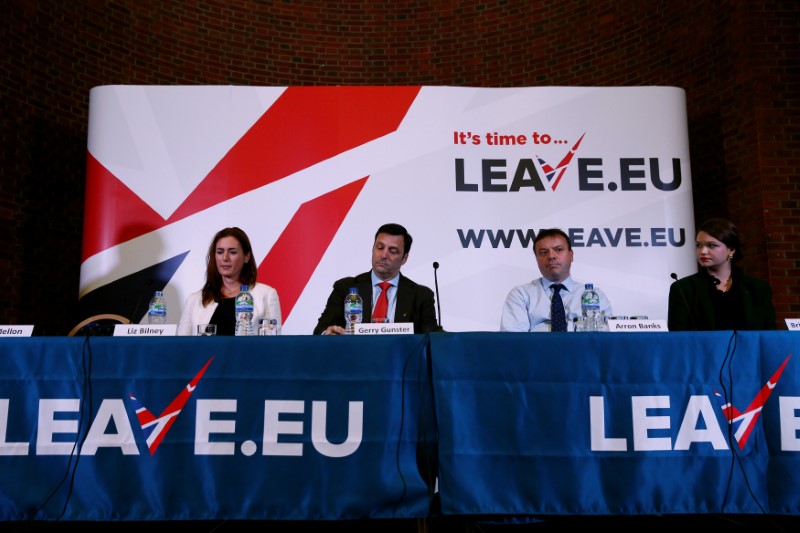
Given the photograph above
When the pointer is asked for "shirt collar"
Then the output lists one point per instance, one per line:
(376, 279)
(567, 283)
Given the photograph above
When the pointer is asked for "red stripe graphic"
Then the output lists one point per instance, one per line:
(295, 255)
(305, 126)
(112, 212)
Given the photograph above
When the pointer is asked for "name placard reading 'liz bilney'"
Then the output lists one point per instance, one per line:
(145, 330)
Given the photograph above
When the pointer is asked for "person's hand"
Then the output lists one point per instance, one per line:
(333, 330)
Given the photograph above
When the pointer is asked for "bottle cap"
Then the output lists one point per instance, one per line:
(244, 288)
(353, 290)
(159, 293)
(589, 286)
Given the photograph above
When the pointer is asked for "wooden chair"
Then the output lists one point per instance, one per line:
(98, 325)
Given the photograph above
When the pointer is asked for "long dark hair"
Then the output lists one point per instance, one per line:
(725, 232)
(212, 290)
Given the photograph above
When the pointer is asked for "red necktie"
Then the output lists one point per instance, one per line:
(382, 306)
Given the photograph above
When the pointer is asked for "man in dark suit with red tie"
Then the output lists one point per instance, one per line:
(405, 300)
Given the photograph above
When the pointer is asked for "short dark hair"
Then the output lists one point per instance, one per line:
(724, 231)
(551, 232)
(397, 229)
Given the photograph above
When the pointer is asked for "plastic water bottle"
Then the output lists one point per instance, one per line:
(353, 310)
(157, 312)
(244, 312)
(590, 308)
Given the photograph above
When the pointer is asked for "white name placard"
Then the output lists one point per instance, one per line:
(16, 331)
(145, 330)
(793, 324)
(637, 325)
(392, 328)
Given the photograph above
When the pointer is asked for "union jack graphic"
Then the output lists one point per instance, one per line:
(302, 128)
(743, 423)
(554, 175)
(155, 429)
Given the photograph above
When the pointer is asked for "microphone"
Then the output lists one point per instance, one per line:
(674, 276)
(133, 318)
(438, 304)
(715, 281)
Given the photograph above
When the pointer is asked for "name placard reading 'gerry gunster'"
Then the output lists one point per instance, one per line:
(396, 328)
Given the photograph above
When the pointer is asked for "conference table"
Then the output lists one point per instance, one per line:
(399, 426)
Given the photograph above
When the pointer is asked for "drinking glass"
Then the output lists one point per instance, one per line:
(268, 327)
(206, 330)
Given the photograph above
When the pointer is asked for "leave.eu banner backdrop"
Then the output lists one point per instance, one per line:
(108, 428)
(310, 173)
(605, 423)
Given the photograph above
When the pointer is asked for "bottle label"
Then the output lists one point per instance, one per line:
(354, 315)
(244, 303)
(157, 311)
(591, 299)
(590, 308)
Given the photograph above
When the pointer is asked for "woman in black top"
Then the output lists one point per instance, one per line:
(720, 296)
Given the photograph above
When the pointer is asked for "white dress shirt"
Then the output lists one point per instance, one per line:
(527, 306)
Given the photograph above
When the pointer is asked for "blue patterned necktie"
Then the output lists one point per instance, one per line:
(558, 319)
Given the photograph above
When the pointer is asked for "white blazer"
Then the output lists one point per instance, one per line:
(265, 305)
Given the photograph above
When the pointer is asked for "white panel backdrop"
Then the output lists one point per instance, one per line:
(161, 143)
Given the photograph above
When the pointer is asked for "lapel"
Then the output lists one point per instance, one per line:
(405, 300)
(748, 295)
(701, 288)
(364, 286)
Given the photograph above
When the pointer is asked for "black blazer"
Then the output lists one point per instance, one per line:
(691, 307)
(414, 303)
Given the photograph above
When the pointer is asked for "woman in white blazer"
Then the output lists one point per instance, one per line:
(230, 264)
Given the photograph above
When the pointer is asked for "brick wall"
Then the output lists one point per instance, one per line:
(737, 61)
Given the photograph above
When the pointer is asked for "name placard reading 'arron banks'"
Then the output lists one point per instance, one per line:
(145, 330)
(637, 325)
(393, 328)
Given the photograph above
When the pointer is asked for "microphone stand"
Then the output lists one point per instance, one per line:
(674, 276)
(438, 303)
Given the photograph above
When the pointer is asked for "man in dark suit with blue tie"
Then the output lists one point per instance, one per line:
(407, 301)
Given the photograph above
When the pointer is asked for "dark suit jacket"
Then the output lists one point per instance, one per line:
(691, 309)
(414, 303)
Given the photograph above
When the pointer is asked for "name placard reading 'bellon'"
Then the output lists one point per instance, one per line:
(16, 331)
